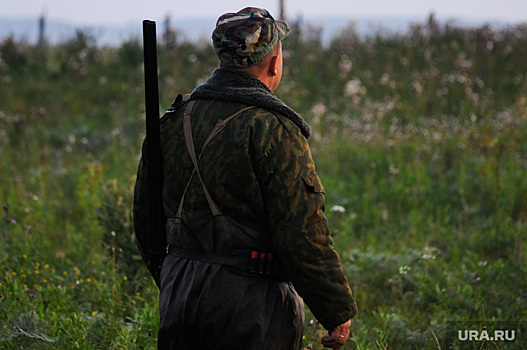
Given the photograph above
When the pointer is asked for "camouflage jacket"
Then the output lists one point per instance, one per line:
(258, 169)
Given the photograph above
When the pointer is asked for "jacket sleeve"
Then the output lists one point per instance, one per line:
(295, 200)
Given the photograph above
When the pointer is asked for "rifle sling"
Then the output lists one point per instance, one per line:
(187, 129)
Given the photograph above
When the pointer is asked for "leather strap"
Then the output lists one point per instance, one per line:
(187, 129)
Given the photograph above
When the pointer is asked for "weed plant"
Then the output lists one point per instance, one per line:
(419, 138)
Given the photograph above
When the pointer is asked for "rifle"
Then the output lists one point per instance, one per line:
(156, 216)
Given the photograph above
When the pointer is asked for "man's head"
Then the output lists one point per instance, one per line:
(247, 37)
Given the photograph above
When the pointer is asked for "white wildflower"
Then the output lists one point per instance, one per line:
(318, 109)
(430, 253)
(403, 270)
(354, 87)
(338, 209)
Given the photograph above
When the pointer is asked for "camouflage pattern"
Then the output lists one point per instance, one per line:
(244, 38)
(259, 169)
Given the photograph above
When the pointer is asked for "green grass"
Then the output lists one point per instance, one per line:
(420, 140)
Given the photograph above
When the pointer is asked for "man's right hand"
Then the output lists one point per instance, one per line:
(337, 337)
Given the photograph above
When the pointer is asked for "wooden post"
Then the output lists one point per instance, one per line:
(282, 13)
(42, 30)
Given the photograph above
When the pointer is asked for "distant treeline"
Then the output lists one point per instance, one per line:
(428, 60)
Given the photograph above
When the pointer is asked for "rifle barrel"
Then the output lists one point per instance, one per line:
(156, 217)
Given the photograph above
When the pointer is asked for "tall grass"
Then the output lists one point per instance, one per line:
(420, 140)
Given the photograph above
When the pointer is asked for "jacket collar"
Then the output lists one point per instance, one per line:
(229, 85)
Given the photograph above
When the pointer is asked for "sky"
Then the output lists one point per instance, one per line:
(118, 12)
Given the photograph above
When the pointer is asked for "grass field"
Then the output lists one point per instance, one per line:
(420, 140)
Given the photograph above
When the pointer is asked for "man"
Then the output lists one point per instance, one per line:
(245, 208)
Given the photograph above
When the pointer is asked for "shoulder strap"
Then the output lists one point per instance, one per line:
(187, 129)
(174, 107)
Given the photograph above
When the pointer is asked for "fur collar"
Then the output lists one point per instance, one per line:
(232, 86)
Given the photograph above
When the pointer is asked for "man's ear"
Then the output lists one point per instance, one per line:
(273, 66)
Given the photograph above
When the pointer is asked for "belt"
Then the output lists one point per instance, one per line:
(242, 262)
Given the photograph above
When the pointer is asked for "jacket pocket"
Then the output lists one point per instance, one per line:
(313, 183)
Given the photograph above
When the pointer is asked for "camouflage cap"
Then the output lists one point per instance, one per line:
(244, 38)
